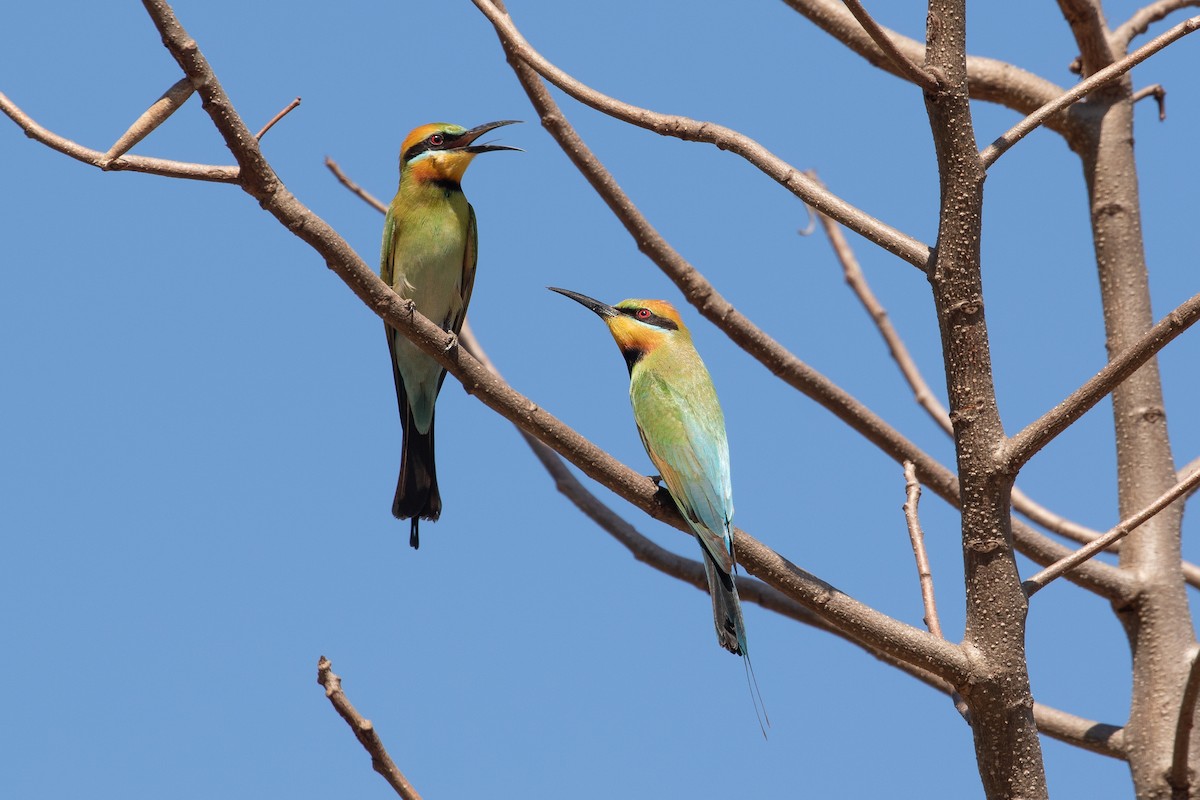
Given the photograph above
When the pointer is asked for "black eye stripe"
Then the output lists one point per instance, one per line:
(424, 145)
(653, 319)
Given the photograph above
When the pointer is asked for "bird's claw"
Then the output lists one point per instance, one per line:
(657, 480)
(451, 344)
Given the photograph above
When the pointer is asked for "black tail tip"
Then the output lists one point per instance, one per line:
(414, 538)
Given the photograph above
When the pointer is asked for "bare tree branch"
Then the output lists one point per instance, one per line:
(156, 115)
(1181, 774)
(1042, 431)
(912, 488)
(1007, 747)
(1094, 576)
(362, 193)
(1086, 18)
(908, 69)
(271, 122)
(1101, 78)
(1098, 737)
(152, 166)
(1160, 98)
(1142, 19)
(1121, 530)
(989, 80)
(1188, 469)
(857, 281)
(929, 401)
(364, 731)
(887, 237)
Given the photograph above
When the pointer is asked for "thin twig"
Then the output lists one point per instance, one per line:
(894, 241)
(857, 282)
(1121, 530)
(1143, 18)
(364, 731)
(997, 148)
(909, 69)
(912, 496)
(128, 163)
(362, 193)
(1181, 775)
(1041, 431)
(1160, 98)
(158, 113)
(271, 122)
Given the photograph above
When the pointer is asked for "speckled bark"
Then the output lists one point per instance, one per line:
(1157, 621)
(1007, 748)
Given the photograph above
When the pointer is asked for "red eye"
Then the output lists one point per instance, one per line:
(643, 313)
(436, 139)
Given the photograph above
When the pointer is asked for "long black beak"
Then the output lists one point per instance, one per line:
(464, 141)
(603, 309)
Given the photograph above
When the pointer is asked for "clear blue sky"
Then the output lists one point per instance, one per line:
(199, 437)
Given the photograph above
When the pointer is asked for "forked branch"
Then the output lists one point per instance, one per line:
(908, 68)
(887, 237)
(1120, 531)
(1101, 78)
(124, 163)
(1042, 431)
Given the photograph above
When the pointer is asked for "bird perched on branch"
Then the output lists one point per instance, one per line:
(429, 253)
(677, 414)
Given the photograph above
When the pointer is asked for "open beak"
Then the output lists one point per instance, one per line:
(602, 309)
(464, 142)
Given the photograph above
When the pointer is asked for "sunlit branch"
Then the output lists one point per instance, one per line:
(1180, 777)
(1110, 73)
(909, 69)
(1042, 431)
(1120, 531)
(364, 731)
(912, 489)
(158, 113)
(925, 397)
(129, 163)
(271, 122)
(887, 237)
(362, 193)
(1160, 98)
(989, 80)
(1143, 18)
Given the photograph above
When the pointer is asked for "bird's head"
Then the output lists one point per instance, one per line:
(440, 151)
(638, 326)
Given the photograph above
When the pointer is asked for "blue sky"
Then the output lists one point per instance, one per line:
(199, 436)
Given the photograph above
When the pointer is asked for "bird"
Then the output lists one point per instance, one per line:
(679, 419)
(429, 254)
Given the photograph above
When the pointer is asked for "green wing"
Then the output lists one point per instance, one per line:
(470, 256)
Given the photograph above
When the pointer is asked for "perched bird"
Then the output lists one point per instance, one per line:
(682, 427)
(429, 252)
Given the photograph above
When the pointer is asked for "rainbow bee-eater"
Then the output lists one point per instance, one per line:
(429, 253)
(683, 430)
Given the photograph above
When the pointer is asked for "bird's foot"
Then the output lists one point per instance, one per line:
(657, 480)
(452, 344)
